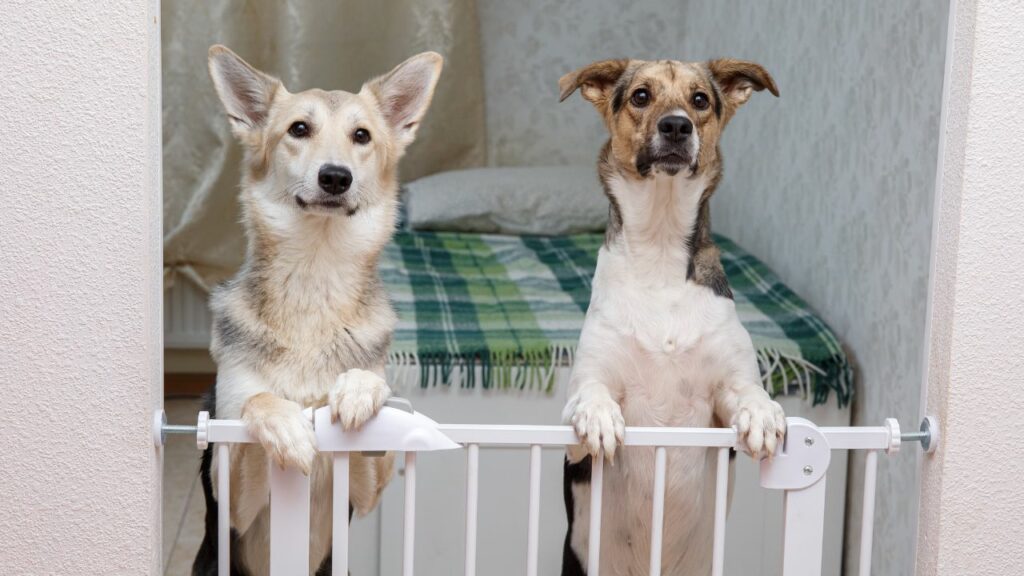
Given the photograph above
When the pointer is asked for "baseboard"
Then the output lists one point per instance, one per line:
(187, 384)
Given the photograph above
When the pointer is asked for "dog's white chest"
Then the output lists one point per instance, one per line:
(667, 321)
(666, 327)
(670, 322)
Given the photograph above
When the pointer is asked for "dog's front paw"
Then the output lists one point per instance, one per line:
(761, 426)
(285, 434)
(599, 425)
(356, 397)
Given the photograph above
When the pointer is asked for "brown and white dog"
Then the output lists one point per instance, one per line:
(306, 322)
(662, 344)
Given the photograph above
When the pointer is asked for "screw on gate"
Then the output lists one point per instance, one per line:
(928, 435)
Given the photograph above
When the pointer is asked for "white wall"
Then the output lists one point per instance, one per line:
(80, 349)
(831, 184)
(971, 497)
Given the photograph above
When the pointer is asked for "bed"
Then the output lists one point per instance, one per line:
(501, 312)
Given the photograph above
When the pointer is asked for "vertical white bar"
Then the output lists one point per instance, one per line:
(289, 521)
(223, 509)
(867, 526)
(596, 487)
(410, 514)
(804, 530)
(472, 494)
(658, 512)
(534, 524)
(721, 496)
(339, 547)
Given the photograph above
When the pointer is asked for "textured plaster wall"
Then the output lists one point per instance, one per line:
(80, 337)
(831, 184)
(971, 497)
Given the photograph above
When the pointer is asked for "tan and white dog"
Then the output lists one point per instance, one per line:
(306, 322)
(661, 344)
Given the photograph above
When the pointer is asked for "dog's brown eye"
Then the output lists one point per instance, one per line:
(640, 98)
(361, 136)
(701, 101)
(299, 130)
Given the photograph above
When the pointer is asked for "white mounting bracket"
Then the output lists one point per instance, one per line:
(930, 434)
(801, 461)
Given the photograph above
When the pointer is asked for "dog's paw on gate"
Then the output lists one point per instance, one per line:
(285, 433)
(599, 424)
(356, 397)
(761, 426)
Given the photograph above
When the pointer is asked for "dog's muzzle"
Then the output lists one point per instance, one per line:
(673, 148)
(333, 193)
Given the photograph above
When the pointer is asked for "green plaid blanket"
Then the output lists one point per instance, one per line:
(504, 311)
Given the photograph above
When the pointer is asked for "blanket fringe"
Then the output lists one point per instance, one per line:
(507, 370)
(781, 373)
(788, 375)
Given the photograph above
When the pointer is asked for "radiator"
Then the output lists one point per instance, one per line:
(798, 470)
(187, 319)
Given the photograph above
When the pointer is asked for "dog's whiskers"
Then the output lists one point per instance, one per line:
(295, 188)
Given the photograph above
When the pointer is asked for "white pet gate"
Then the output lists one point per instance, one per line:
(798, 469)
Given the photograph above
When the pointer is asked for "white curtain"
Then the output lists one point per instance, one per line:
(329, 44)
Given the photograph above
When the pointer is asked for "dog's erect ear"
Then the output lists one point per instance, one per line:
(405, 93)
(738, 79)
(595, 81)
(245, 91)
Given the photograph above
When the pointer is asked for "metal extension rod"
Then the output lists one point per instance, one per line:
(927, 434)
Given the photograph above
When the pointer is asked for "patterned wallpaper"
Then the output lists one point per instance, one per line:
(831, 184)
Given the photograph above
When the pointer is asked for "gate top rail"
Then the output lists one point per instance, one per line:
(422, 434)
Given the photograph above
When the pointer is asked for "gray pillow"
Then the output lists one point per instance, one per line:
(528, 200)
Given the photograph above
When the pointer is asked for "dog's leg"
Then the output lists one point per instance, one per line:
(278, 424)
(357, 396)
(284, 432)
(594, 388)
(576, 482)
(597, 419)
(595, 414)
(205, 563)
(741, 400)
(369, 476)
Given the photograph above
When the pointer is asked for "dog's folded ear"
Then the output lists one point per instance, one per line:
(404, 94)
(595, 81)
(738, 79)
(245, 91)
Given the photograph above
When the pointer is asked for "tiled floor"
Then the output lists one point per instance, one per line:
(183, 496)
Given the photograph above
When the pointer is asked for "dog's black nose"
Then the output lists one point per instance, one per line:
(675, 128)
(334, 179)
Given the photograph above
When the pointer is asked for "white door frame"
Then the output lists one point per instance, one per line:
(970, 502)
(81, 339)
